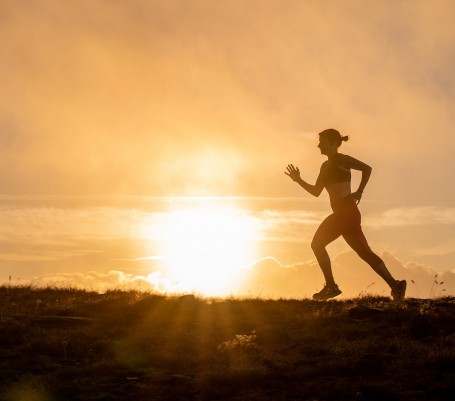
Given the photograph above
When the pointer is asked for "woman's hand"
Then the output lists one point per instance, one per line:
(356, 196)
(293, 172)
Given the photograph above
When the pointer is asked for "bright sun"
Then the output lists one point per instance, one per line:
(208, 248)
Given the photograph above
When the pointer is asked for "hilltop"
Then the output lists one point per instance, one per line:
(125, 345)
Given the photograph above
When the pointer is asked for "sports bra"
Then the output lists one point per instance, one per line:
(335, 174)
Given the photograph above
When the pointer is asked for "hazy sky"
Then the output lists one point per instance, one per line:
(102, 243)
(202, 97)
(216, 97)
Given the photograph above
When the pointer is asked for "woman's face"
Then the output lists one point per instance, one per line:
(325, 146)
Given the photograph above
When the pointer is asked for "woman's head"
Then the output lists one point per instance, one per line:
(333, 136)
(330, 140)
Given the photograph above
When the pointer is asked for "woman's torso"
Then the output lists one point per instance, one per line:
(337, 181)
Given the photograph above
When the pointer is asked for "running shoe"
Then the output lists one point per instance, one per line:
(327, 293)
(399, 290)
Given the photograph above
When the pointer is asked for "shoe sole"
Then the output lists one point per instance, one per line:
(326, 297)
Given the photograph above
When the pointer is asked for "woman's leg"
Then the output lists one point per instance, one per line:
(357, 241)
(328, 231)
(354, 236)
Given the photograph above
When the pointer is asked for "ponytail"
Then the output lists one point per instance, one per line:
(333, 135)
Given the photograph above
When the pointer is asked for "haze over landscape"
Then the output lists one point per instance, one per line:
(144, 142)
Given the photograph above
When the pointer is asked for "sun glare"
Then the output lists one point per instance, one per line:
(208, 248)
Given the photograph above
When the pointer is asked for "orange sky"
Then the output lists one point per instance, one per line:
(202, 97)
(247, 246)
(186, 97)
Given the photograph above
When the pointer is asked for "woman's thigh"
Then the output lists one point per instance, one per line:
(329, 230)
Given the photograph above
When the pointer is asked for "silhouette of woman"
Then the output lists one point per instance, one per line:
(335, 177)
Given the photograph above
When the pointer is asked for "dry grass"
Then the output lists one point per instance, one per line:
(124, 345)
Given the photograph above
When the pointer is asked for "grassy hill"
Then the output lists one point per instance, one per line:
(64, 345)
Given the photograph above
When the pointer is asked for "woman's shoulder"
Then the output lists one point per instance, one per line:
(343, 161)
(342, 158)
(350, 162)
(324, 165)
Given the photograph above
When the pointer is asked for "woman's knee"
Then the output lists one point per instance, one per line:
(318, 247)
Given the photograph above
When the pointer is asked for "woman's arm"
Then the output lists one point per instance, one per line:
(355, 164)
(314, 190)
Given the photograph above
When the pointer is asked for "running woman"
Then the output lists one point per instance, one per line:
(335, 177)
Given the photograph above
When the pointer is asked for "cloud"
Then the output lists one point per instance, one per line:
(154, 257)
(443, 247)
(22, 257)
(268, 278)
(43, 254)
(101, 282)
(271, 261)
(62, 225)
(412, 216)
